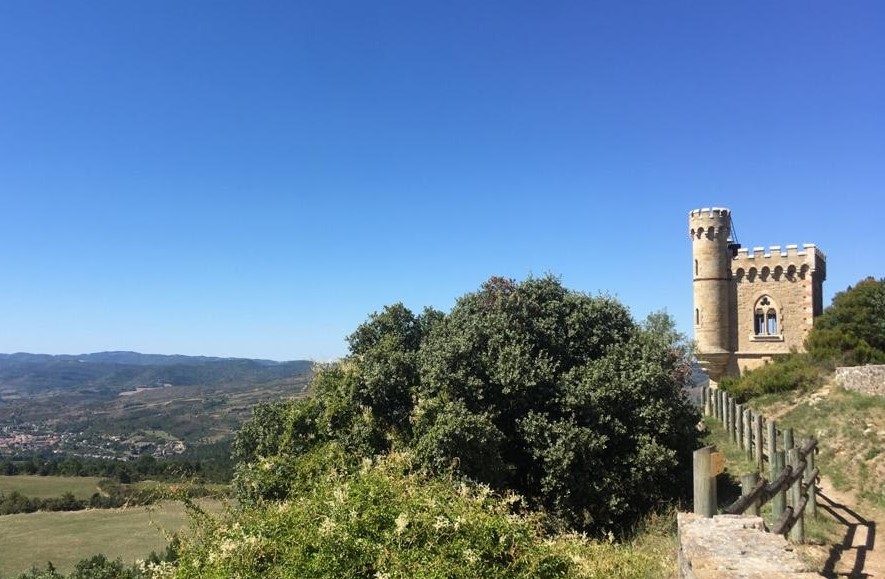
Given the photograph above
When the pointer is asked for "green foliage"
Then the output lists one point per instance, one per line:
(852, 330)
(783, 374)
(386, 519)
(449, 436)
(100, 567)
(528, 387)
(208, 462)
(113, 495)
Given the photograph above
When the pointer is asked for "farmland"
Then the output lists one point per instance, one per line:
(45, 487)
(66, 537)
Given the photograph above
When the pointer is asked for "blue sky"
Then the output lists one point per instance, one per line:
(254, 178)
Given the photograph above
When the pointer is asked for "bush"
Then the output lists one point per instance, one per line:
(386, 519)
(785, 373)
(528, 387)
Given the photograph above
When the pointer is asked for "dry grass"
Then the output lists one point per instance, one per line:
(45, 487)
(67, 537)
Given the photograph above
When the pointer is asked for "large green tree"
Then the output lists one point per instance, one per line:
(530, 387)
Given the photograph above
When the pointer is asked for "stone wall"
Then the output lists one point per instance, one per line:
(864, 379)
(732, 546)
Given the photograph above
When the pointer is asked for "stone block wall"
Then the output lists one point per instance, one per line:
(864, 379)
(734, 546)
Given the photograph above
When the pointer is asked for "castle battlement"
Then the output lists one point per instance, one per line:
(776, 251)
(711, 212)
(710, 222)
(764, 264)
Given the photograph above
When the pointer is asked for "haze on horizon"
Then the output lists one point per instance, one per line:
(246, 180)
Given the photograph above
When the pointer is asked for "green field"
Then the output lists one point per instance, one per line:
(45, 487)
(66, 537)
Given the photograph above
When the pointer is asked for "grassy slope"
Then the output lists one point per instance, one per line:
(83, 487)
(65, 538)
(850, 428)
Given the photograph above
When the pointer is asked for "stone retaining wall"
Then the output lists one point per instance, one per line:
(864, 379)
(735, 546)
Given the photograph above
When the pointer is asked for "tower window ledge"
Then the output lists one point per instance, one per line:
(777, 338)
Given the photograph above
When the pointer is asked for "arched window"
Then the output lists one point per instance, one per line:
(765, 318)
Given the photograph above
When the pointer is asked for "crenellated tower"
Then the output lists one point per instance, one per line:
(710, 229)
(749, 305)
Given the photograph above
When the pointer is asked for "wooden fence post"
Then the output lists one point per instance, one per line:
(748, 483)
(748, 432)
(779, 500)
(716, 404)
(704, 483)
(812, 485)
(772, 448)
(788, 438)
(724, 410)
(797, 531)
(732, 411)
(739, 424)
(757, 437)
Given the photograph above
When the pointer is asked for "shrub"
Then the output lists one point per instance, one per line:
(785, 373)
(386, 519)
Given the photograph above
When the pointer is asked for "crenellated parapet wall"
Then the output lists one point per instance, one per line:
(789, 262)
(710, 223)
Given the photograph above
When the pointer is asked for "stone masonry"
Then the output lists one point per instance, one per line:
(864, 379)
(734, 546)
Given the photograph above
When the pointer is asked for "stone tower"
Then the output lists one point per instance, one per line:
(749, 306)
(710, 230)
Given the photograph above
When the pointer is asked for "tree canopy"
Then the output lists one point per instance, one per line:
(852, 329)
(526, 386)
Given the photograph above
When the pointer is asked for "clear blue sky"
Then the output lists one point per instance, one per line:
(254, 178)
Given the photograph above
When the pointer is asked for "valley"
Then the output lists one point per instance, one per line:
(123, 405)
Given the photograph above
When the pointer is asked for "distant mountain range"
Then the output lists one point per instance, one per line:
(126, 357)
(109, 373)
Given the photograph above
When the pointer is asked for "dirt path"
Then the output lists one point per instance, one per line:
(861, 552)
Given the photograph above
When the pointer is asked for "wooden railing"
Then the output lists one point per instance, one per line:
(792, 483)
